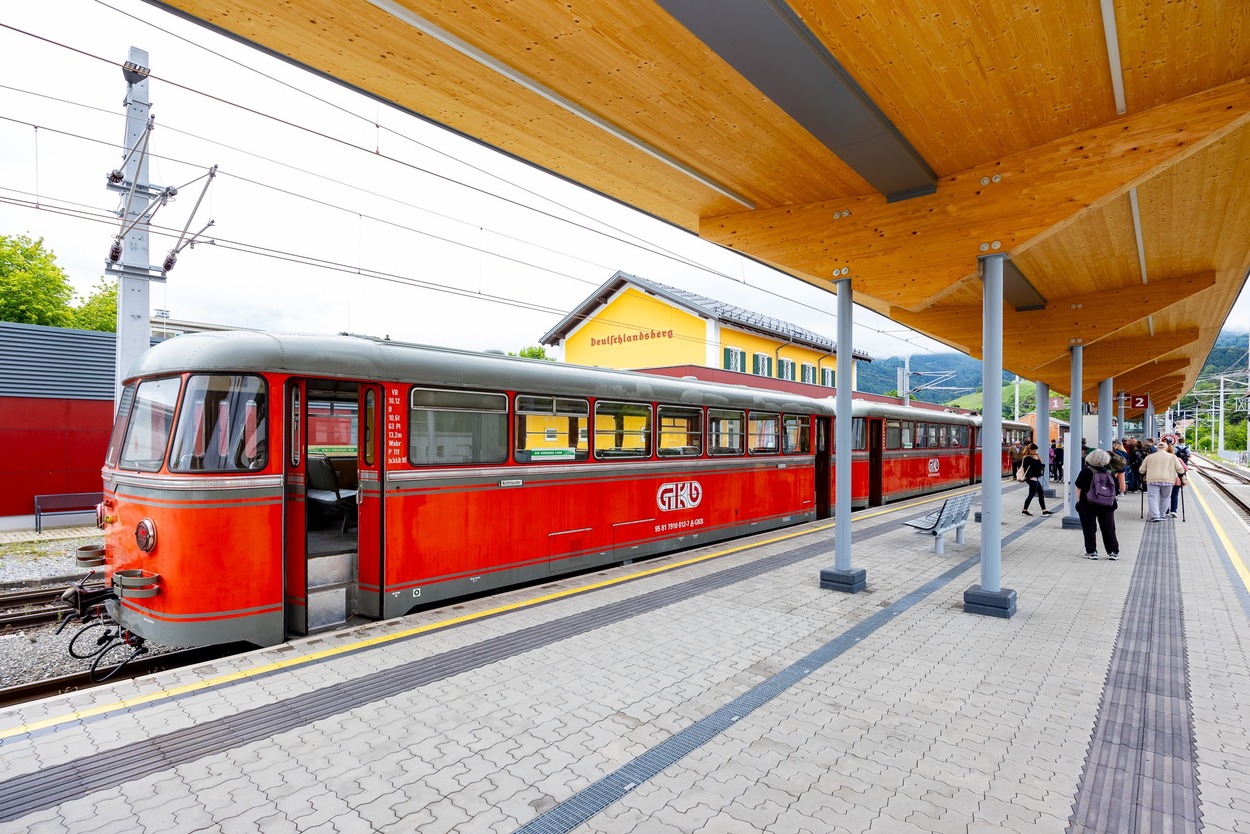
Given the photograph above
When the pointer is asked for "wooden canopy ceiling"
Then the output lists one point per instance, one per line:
(891, 143)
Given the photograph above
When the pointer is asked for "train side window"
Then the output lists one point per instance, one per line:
(893, 434)
(797, 438)
(550, 429)
(943, 438)
(222, 426)
(622, 430)
(147, 430)
(681, 431)
(764, 431)
(725, 432)
(908, 433)
(452, 427)
(922, 435)
(859, 434)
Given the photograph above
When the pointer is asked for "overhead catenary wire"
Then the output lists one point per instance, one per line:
(628, 239)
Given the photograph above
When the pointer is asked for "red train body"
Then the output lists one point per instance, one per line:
(259, 487)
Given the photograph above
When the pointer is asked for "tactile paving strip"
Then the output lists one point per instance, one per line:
(1140, 772)
(36, 791)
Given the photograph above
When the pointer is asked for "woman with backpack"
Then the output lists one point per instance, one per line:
(1096, 489)
(1033, 468)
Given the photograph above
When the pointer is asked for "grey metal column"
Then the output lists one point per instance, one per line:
(1072, 448)
(990, 597)
(1120, 433)
(134, 333)
(842, 577)
(1106, 389)
(1042, 436)
(1151, 427)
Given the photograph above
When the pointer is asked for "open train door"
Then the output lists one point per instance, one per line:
(294, 510)
(371, 452)
(824, 467)
(876, 450)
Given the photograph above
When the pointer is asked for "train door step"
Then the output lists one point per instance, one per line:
(331, 590)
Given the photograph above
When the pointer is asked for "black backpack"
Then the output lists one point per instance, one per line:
(1102, 490)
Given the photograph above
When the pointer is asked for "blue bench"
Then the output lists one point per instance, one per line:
(70, 503)
(952, 515)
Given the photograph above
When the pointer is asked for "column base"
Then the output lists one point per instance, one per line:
(990, 603)
(1049, 492)
(848, 581)
(1071, 522)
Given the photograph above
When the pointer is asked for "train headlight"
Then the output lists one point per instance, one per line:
(145, 535)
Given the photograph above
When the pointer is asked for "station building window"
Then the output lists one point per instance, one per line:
(761, 364)
(785, 369)
(807, 373)
(457, 427)
(827, 377)
(735, 360)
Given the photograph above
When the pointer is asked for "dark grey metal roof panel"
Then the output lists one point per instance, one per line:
(361, 357)
(773, 49)
(56, 362)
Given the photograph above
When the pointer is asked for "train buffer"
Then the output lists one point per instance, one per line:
(952, 515)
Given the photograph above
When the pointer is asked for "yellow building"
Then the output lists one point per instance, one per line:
(633, 323)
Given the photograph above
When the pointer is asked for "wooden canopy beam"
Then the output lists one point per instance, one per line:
(912, 252)
(1045, 334)
(1117, 356)
(1138, 380)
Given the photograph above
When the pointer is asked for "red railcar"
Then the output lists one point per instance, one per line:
(259, 487)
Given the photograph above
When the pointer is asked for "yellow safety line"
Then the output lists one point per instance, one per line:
(1233, 555)
(231, 677)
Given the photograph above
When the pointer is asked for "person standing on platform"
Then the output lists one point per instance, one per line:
(1096, 490)
(1161, 469)
(1182, 454)
(1031, 463)
(1054, 473)
(1059, 461)
(1017, 455)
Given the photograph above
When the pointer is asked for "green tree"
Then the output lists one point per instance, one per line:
(533, 352)
(33, 289)
(98, 311)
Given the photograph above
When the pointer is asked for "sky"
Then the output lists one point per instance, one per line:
(332, 211)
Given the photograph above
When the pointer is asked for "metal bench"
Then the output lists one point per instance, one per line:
(952, 515)
(71, 503)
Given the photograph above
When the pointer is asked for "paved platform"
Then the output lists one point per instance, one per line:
(716, 691)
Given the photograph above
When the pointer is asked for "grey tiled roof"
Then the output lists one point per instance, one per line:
(719, 310)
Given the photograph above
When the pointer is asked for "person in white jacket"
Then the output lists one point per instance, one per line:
(1161, 469)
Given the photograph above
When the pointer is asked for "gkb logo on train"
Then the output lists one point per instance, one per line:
(682, 495)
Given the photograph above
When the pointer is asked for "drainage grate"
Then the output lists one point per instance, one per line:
(1140, 771)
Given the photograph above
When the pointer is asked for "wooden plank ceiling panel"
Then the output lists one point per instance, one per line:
(970, 81)
(1011, 102)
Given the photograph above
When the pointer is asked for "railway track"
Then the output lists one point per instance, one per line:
(135, 668)
(1214, 475)
(33, 607)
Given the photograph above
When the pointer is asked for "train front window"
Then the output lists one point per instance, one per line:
(551, 429)
(681, 431)
(622, 430)
(451, 427)
(119, 425)
(725, 432)
(223, 425)
(147, 430)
